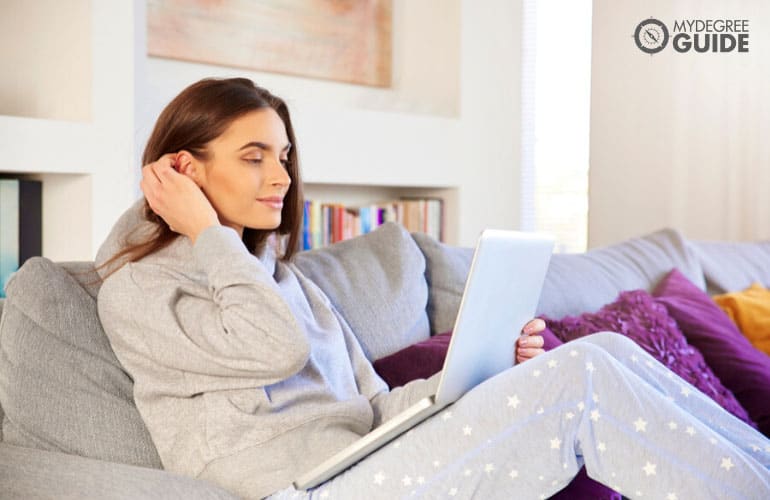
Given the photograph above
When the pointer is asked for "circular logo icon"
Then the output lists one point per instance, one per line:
(651, 36)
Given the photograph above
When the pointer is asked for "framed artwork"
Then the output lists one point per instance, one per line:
(343, 40)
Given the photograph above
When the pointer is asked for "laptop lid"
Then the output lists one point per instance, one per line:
(501, 295)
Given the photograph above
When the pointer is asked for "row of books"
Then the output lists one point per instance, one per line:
(21, 225)
(327, 223)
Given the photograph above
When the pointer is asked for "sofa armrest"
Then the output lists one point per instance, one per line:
(32, 474)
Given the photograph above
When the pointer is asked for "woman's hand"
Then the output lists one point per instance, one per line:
(530, 344)
(175, 197)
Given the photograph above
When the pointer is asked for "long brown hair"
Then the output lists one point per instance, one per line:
(198, 115)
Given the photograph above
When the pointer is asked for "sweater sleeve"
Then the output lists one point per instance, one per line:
(239, 327)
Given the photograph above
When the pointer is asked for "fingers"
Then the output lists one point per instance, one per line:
(527, 353)
(530, 341)
(536, 325)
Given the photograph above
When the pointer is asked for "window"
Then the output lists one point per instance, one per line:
(556, 93)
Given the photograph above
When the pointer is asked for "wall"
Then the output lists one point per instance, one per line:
(679, 139)
(450, 120)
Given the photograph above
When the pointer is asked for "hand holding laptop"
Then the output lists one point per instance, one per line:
(530, 343)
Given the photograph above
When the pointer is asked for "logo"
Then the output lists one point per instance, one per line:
(693, 35)
(651, 36)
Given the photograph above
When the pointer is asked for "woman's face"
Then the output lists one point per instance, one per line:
(245, 176)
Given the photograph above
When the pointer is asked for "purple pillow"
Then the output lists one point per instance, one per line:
(639, 317)
(426, 358)
(741, 368)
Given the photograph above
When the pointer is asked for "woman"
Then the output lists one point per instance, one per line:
(247, 377)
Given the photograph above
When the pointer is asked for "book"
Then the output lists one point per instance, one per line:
(327, 223)
(21, 225)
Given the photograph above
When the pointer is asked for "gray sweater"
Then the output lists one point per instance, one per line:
(244, 373)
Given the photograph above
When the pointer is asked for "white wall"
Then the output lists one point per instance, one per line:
(679, 140)
(451, 118)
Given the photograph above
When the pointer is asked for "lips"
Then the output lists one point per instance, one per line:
(272, 201)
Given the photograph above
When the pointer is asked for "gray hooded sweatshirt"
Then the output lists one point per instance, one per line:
(244, 372)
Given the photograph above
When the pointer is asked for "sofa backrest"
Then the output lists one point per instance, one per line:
(574, 284)
(61, 386)
(733, 266)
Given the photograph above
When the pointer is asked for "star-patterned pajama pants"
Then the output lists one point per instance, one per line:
(600, 401)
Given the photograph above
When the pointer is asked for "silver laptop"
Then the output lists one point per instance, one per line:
(501, 295)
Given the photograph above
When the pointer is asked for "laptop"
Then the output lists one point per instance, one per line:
(500, 297)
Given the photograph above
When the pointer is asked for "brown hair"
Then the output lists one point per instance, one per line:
(198, 115)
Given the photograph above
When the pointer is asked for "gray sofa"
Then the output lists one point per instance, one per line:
(69, 425)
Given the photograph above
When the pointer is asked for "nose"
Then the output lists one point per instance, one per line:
(278, 175)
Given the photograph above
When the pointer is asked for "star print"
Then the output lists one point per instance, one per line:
(489, 468)
(325, 494)
(407, 481)
(601, 447)
(540, 410)
(541, 478)
(536, 373)
(436, 464)
(690, 430)
(513, 474)
(397, 444)
(590, 366)
(542, 496)
(649, 469)
(513, 401)
(570, 415)
(595, 398)
(767, 448)
(420, 480)
(686, 391)
(672, 425)
(379, 478)
(555, 443)
(453, 492)
(564, 465)
(649, 363)
(727, 463)
(671, 496)
(595, 415)
(640, 425)
(639, 493)
(755, 447)
(553, 363)
(634, 358)
(446, 416)
(467, 430)
(714, 441)
(670, 375)
(581, 406)
(467, 472)
(573, 353)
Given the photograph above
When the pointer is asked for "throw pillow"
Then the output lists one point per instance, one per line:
(741, 368)
(426, 358)
(61, 386)
(377, 283)
(636, 315)
(750, 310)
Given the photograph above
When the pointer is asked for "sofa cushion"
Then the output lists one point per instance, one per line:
(61, 386)
(377, 283)
(574, 284)
(31, 474)
(741, 368)
(750, 310)
(733, 266)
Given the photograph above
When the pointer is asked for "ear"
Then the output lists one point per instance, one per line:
(190, 166)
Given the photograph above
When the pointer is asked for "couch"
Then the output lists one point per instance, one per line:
(69, 425)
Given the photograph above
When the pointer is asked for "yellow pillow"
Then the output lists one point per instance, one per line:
(750, 310)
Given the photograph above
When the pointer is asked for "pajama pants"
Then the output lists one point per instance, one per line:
(600, 401)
